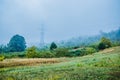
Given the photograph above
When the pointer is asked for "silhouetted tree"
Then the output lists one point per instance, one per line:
(53, 46)
(17, 44)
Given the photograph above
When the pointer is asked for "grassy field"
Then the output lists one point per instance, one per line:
(103, 65)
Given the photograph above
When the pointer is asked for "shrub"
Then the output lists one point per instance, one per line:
(101, 46)
(31, 52)
(90, 50)
(61, 52)
(73, 53)
(21, 55)
(82, 51)
(1, 57)
(95, 46)
(104, 43)
(46, 54)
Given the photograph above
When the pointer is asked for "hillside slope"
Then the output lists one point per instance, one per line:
(104, 65)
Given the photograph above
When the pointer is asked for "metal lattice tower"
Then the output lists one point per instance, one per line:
(42, 35)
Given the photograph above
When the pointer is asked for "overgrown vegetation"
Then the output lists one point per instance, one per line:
(94, 61)
(34, 52)
(31, 52)
(104, 43)
(1, 57)
(103, 65)
(46, 54)
(61, 52)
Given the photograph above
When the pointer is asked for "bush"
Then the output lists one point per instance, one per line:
(104, 43)
(46, 54)
(31, 52)
(82, 52)
(101, 46)
(61, 52)
(79, 52)
(95, 46)
(90, 50)
(2, 57)
(73, 53)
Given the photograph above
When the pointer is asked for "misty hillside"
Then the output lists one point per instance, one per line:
(114, 36)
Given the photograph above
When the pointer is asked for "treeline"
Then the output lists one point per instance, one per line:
(114, 36)
(55, 51)
(72, 48)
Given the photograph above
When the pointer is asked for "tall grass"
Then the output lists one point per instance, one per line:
(29, 62)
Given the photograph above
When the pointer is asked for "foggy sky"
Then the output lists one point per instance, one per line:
(62, 19)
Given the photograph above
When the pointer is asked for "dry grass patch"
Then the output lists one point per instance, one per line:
(107, 50)
(29, 62)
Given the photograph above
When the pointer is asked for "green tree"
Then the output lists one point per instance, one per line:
(31, 52)
(17, 44)
(104, 43)
(53, 46)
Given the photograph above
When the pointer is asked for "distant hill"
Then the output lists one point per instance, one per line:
(83, 41)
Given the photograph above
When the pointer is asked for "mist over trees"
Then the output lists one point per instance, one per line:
(17, 43)
(114, 36)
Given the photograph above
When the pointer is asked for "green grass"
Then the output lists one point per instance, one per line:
(104, 65)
